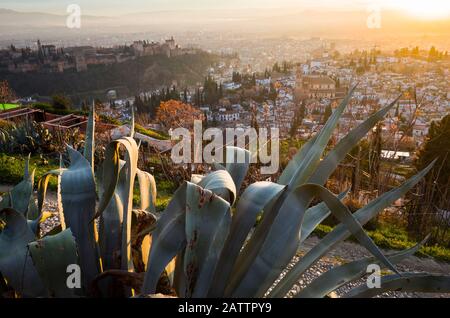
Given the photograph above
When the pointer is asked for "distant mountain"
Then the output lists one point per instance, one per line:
(332, 23)
(42, 20)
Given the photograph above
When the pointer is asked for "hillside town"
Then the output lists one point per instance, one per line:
(47, 58)
(275, 97)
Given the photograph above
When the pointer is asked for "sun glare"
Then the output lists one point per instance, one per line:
(425, 9)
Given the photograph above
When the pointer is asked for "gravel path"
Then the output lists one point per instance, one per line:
(346, 252)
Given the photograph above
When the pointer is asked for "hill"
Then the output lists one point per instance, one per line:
(128, 78)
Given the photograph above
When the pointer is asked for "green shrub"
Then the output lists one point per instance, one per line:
(11, 169)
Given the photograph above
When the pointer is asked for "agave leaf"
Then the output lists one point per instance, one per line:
(3, 287)
(254, 271)
(339, 276)
(78, 201)
(89, 144)
(33, 211)
(329, 164)
(196, 178)
(312, 158)
(217, 166)
(251, 249)
(293, 165)
(168, 239)
(340, 233)
(122, 202)
(141, 240)
(147, 190)
(408, 282)
(19, 197)
(221, 183)
(51, 256)
(111, 234)
(314, 216)
(16, 265)
(131, 159)
(42, 192)
(206, 229)
(237, 164)
(110, 226)
(109, 175)
(265, 274)
(208, 220)
(35, 224)
(179, 279)
(343, 214)
(254, 199)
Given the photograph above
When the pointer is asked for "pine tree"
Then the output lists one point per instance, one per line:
(432, 196)
(327, 114)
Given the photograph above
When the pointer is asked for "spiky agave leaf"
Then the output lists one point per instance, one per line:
(207, 226)
(314, 216)
(52, 256)
(294, 164)
(110, 208)
(338, 153)
(237, 162)
(110, 229)
(147, 191)
(35, 224)
(256, 283)
(339, 276)
(252, 202)
(16, 265)
(168, 239)
(310, 158)
(126, 196)
(78, 201)
(42, 193)
(340, 233)
(221, 183)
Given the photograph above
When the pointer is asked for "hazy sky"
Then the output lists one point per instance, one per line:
(116, 7)
(108, 7)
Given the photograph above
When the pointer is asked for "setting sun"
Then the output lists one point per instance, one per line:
(428, 9)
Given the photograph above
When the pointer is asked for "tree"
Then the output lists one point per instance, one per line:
(327, 114)
(298, 119)
(426, 211)
(6, 94)
(185, 95)
(174, 114)
(374, 160)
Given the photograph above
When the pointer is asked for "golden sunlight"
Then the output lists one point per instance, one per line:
(424, 9)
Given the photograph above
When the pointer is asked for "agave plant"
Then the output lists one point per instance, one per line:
(205, 244)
